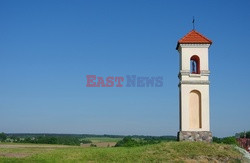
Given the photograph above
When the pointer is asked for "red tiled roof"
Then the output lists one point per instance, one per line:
(193, 37)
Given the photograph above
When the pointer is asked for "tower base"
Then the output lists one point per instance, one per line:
(204, 136)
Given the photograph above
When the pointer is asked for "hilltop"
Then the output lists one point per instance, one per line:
(165, 151)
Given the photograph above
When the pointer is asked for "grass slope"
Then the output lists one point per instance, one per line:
(166, 151)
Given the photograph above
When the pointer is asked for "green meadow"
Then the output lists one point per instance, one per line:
(162, 152)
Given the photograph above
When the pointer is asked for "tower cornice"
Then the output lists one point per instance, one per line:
(192, 46)
(194, 82)
(187, 73)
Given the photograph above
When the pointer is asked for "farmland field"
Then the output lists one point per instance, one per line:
(102, 139)
(166, 151)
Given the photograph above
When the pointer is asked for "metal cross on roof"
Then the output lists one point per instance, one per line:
(193, 23)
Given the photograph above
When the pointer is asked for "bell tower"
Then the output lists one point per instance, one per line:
(194, 87)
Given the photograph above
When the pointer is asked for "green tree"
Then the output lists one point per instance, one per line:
(216, 140)
(3, 136)
(242, 134)
(127, 142)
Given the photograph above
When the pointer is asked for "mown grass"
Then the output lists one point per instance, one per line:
(163, 152)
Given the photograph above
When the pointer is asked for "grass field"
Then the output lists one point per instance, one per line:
(163, 152)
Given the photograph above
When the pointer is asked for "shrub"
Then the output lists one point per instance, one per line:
(225, 140)
(92, 145)
(127, 142)
(229, 140)
(130, 142)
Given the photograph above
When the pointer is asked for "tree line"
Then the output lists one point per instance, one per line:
(43, 139)
(127, 141)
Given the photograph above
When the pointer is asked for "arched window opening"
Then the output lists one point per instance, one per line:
(195, 64)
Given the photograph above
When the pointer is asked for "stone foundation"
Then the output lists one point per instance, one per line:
(205, 136)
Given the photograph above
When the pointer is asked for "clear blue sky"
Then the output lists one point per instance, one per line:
(48, 47)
